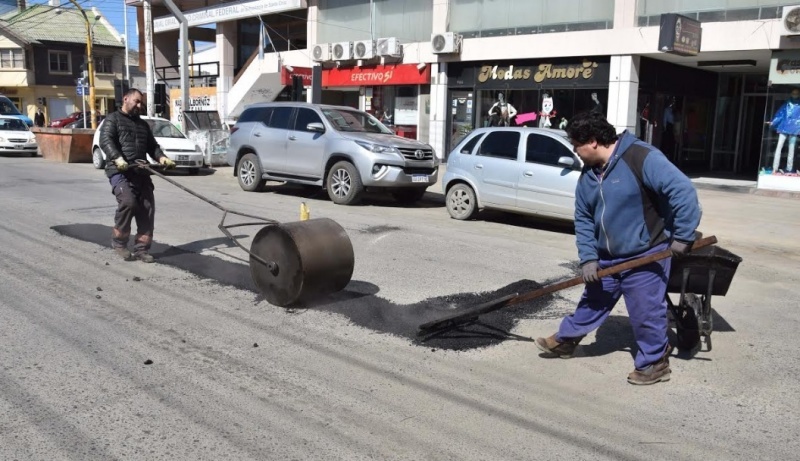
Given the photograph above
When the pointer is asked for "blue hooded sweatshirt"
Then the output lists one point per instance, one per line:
(639, 201)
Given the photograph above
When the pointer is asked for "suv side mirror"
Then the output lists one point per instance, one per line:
(316, 127)
(566, 162)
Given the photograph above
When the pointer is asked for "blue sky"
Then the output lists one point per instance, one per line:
(112, 10)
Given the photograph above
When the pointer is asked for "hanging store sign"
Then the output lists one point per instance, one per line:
(394, 74)
(227, 12)
(784, 68)
(679, 35)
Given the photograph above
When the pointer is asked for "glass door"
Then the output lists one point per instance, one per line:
(462, 119)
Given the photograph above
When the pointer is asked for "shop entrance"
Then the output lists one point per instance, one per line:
(751, 132)
(461, 119)
(348, 98)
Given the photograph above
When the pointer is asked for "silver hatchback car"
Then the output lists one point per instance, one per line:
(531, 171)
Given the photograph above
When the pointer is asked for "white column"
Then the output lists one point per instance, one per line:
(623, 92)
(312, 34)
(226, 38)
(440, 109)
(625, 14)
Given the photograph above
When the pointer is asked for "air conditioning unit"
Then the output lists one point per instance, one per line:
(389, 47)
(342, 51)
(790, 22)
(364, 49)
(321, 52)
(448, 42)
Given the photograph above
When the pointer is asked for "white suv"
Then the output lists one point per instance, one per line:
(342, 149)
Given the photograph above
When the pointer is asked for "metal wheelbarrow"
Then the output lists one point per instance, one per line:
(697, 277)
(289, 262)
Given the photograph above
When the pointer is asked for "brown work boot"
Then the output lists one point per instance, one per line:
(653, 373)
(144, 256)
(123, 253)
(558, 349)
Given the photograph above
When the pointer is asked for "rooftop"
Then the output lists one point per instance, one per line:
(44, 23)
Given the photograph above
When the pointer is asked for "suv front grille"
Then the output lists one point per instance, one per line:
(411, 154)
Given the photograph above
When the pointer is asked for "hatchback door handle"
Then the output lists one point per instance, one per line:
(528, 173)
(292, 138)
(257, 135)
(478, 166)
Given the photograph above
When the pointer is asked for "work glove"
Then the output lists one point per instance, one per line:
(679, 248)
(167, 162)
(589, 271)
(121, 164)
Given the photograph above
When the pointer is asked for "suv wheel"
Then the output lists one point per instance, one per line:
(409, 195)
(344, 184)
(249, 173)
(461, 202)
(97, 159)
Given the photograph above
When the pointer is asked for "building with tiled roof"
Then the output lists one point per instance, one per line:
(43, 53)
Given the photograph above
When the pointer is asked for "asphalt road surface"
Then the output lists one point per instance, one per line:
(184, 359)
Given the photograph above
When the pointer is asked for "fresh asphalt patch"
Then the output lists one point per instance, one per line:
(359, 301)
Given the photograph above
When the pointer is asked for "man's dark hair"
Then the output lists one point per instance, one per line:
(131, 92)
(591, 126)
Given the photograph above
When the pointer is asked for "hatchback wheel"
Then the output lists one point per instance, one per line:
(461, 202)
(249, 173)
(97, 159)
(344, 184)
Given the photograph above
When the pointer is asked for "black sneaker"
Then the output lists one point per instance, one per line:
(144, 257)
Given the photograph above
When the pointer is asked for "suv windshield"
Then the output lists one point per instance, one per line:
(164, 129)
(354, 120)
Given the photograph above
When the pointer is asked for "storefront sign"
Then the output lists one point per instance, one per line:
(227, 12)
(200, 98)
(527, 74)
(305, 72)
(784, 68)
(399, 74)
(679, 35)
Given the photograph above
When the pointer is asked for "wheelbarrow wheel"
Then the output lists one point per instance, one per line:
(687, 326)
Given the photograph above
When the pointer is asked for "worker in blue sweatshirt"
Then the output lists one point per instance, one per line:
(631, 201)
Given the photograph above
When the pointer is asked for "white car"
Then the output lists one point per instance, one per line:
(16, 137)
(175, 145)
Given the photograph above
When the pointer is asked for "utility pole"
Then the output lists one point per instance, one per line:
(89, 63)
(127, 45)
(149, 58)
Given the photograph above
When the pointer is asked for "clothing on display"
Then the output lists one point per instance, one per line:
(501, 112)
(596, 105)
(787, 123)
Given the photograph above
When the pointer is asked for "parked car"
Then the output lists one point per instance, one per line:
(531, 171)
(340, 148)
(78, 123)
(8, 108)
(183, 151)
(16, 136)
(61, 122)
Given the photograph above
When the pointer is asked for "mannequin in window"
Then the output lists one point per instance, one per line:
(501, 112)
(548, 111)
(787, 123)
(597, 106)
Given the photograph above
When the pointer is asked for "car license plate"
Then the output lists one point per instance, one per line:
(183, 157)
(19, 146)
(419, 178)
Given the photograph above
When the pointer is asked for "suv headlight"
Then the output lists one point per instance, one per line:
(378, 149)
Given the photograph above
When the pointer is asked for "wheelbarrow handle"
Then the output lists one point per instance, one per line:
(459, 318)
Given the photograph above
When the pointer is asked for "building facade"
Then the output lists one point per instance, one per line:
(697, 79)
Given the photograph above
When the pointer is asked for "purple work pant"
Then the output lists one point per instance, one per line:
(644, 289)
(135, 200)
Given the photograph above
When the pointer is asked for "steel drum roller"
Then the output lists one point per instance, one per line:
(310, 259)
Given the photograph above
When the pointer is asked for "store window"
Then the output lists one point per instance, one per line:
(782, 127)
(544, 108)
(649, 11)
(12, 58)
(347, 20)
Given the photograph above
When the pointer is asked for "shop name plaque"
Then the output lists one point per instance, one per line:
(544, 72)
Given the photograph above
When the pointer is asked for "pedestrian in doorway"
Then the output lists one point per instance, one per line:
(38, 119)
(630, 202)
(126, 138)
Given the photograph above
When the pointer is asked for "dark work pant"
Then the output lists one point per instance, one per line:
(644, 289)
(135, 200)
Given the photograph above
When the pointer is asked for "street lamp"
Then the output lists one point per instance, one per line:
(90, 59)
